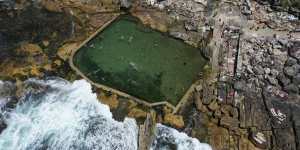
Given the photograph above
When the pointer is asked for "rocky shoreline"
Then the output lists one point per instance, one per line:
(250, 97)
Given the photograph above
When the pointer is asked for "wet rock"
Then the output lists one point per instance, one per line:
(31, 24)
(137, 113)
(6, 4)
(7, 89)
(174, 120)
(111, 101)
(2, 125)
(8, 99)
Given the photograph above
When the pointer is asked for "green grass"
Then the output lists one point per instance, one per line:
(140, 61)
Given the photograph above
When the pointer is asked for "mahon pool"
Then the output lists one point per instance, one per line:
(140, 61)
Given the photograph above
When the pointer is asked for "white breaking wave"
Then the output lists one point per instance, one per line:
(68, 116)
(170, 139)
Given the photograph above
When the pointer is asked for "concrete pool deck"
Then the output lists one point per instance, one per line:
(175, 109)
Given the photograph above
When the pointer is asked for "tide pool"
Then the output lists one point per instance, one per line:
(140, 61)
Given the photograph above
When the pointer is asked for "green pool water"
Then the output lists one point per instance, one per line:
(140, 61)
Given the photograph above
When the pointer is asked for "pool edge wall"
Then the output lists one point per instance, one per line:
(175, 108)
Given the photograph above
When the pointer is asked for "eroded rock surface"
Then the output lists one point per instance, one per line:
(254, 51)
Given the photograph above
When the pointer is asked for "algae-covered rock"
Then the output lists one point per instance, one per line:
(174, 120)
(30, 49)
(111, 101)
(137, 113)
